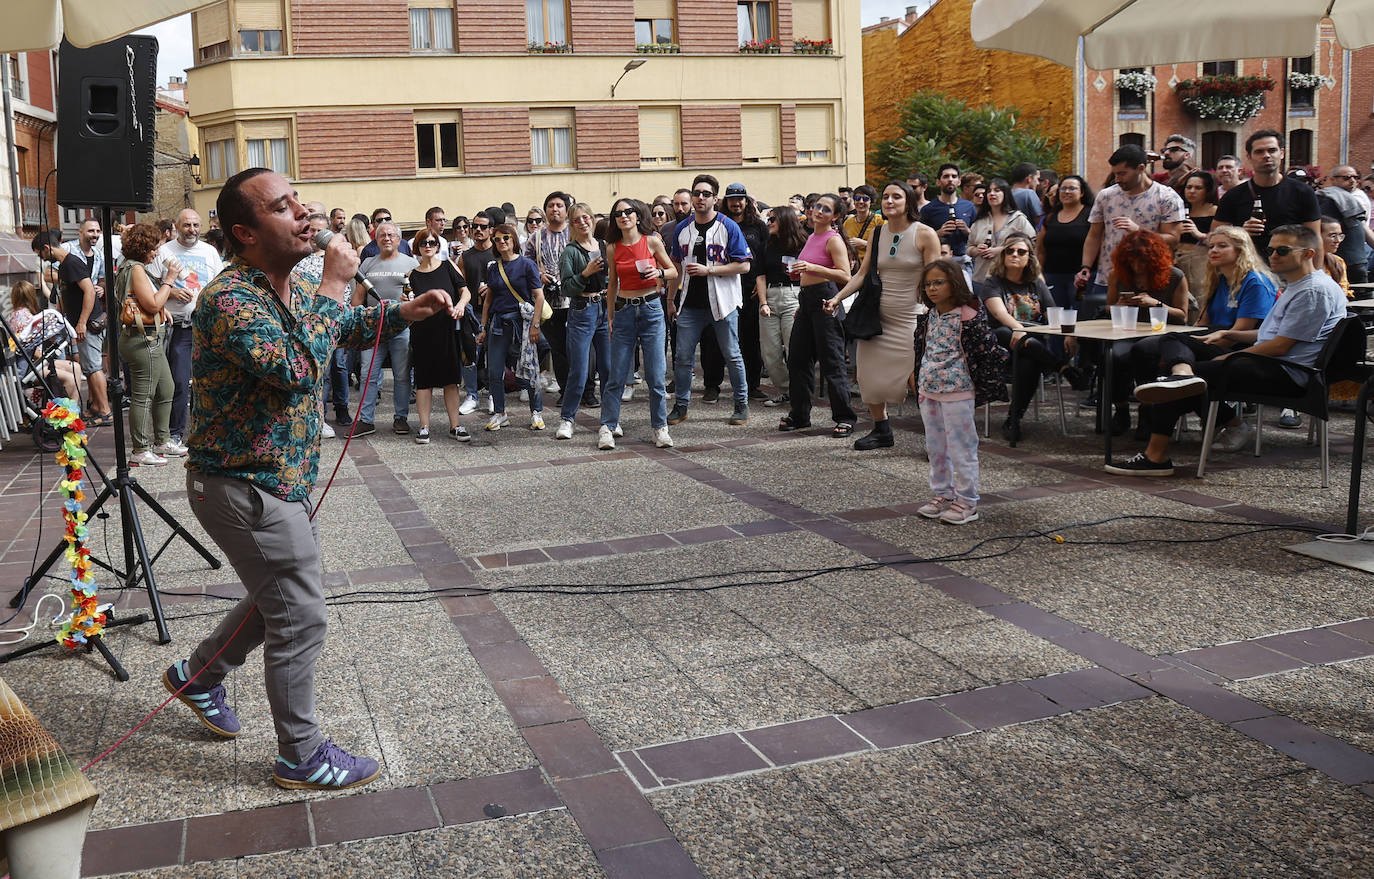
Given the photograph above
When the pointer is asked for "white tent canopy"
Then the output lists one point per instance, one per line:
(33, 25)
(1143, 33)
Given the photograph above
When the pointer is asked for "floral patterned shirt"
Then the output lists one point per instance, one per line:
(258, 368)
(1151, 208)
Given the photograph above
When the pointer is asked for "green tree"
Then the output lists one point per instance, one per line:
(937, 128)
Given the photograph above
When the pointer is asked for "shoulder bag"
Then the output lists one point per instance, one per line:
(863, 320)
(544, 314)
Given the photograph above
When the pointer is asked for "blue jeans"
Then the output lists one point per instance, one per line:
(503, 334)
(399, 346)
(179, 359)
(691, 323)
(641, 325)
(586, 329)
(469, 370)
(338, 377)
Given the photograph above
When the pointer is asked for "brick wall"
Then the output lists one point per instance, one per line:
(785, 26)
(606, 137)
(711, 136)
(603, 25)
(331, 27)
(1361, 99)
(496, 141)
(356, 144)
(706, 26)
(487, 27)
(787, 124)
(39, 73)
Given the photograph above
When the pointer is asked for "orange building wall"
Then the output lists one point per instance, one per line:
(937, 53)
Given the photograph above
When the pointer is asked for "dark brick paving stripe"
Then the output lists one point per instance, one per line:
(883, 728)
(1287, 651)
(625, 833)
(364, 815)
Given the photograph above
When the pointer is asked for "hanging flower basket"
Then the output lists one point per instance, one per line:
(760, 47)
(1136, 81)
(813, 47)
(1232, 99)
(1305, 80)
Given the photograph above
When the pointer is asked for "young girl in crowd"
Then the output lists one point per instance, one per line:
(960, 368)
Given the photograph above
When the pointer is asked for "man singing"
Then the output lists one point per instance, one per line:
(262, 339)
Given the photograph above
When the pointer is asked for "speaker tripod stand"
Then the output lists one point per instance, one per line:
(124, 490)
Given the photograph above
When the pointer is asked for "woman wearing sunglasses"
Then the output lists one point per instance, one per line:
(905, 247)
(434, 340)
(858, 226)
(639, 265)
(513, 300)
(817, 334)
(583, 271)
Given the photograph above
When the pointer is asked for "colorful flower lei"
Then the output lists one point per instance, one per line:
(87, 621)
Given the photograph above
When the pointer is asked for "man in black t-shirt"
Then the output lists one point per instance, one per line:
(84, 310)
(473, 264)
(1282, 200)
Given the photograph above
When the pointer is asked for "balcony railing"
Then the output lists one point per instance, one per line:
(33, 205)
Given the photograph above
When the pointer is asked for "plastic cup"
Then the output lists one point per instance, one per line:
(644, 266)
(1123, 317)
(1053, 316)
(787, 263)
(1068, 320)
(1159, 316)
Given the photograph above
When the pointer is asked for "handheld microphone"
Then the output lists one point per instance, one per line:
(322, 239)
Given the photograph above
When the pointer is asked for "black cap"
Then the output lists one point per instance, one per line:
(735, 189)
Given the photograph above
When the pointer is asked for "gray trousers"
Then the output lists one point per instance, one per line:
(275, 550)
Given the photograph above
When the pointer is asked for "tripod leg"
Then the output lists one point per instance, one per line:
(176, 526)
(119, 672)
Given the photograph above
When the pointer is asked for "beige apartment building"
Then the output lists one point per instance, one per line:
(467, 103)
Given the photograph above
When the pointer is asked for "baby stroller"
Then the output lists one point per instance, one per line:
(23, 396)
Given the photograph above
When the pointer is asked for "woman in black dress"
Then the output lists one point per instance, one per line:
(1060, 243)
(433, 341)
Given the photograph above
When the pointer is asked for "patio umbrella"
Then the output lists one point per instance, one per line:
(1143, 33)
(31, 25)
(16, 256)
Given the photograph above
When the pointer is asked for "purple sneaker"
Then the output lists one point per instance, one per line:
(328, 768)
(207, 702)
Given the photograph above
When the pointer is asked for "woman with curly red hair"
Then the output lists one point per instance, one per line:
(1143, 275)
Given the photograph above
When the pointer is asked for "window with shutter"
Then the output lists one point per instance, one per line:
(811, 19)
(260, 26)
(815, 134)
(760, 141)
(211, 26)
(551, 138)
(660, 137)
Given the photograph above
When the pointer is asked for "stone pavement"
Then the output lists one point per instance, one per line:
(747, 656)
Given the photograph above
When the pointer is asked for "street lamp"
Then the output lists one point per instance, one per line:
(194, 162)
(629, 65)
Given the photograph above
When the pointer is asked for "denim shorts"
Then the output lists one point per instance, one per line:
(92, 353)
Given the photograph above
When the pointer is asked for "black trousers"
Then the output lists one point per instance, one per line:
(1248, 374)
(713, 364)
(555, 332)
(817, 336)
(1032, 359)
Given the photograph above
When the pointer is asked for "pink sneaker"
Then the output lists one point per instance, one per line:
(959, 513)
(933, 508)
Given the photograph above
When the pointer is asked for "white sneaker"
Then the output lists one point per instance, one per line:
(497, 421)
(1233, 439)
(468, 406)
(565, 430)
(661, 438)
(326, 431)
(627, 394)
(147, 459)
(536, 421)
(551, 385)
(604, 440)
(524, 396)
(491, 405)
(172, 449)
(617, 431)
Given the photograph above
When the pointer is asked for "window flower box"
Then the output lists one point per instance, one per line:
(1231, 99)
(1298, 80)
(1136, 81)
(658, 48)
(760, 47)
(813, 47)
(550, 48)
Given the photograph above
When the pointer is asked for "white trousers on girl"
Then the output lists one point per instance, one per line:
(952, 441)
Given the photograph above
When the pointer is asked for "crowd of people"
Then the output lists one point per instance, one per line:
(720, 281)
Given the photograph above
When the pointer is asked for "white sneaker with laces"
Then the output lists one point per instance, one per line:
(536, 421)
(661, 438)
(491, 405)
(147, 459)
(617, 431)
(326, 431)
(174, 449)
(468, 406)
(627, 394)
(565, 430)
(604, 440)
(497, 421)
(1233, 439)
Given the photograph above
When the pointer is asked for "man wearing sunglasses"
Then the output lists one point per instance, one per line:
(545, 246)
(712, 253)
(1293, 332)
(380, 216)
(473, 265)
(1343, 199)
(1178, 151)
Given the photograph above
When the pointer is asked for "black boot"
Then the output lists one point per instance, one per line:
(878, 438)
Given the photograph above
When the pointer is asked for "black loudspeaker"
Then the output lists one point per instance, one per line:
(106, 125)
